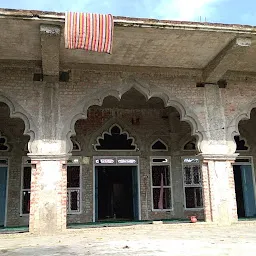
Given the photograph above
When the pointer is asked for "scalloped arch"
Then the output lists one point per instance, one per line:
(109, 132)
(96, 98)
(244, 114)
(16, 111)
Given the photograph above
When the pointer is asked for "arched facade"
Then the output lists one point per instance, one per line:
(144, 116)
(16, 128)
(195, 97)
(79, 111)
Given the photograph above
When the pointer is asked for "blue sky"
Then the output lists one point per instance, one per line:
(224, 11)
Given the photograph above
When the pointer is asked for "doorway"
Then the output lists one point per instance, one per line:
(244, 188)
(116, 193)
(3, 188)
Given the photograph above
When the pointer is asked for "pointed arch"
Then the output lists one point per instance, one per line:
(244, 114)
(232, 128)
(115, 138)
(159, 145)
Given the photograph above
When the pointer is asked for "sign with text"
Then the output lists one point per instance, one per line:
(116, 160)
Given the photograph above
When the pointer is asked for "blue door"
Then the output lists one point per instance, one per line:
(135, 193)
(3, 184)
(248, 190)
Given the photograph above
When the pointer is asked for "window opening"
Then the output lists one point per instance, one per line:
(73, 188)
(191, 145)
(192, 179)
(159, 145)
(161, 184)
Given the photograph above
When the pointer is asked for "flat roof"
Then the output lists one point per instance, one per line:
(130, 21)
(206, 51)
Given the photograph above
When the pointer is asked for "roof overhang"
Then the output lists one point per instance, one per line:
(207, 51)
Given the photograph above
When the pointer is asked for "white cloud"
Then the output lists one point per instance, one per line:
(190, 10)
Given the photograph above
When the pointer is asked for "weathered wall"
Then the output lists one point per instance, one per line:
(89, 87)
(151, 121)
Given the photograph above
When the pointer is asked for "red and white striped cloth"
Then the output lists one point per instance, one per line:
(92, 32)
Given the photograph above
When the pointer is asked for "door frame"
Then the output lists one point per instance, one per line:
(115, 158)
(7, 187)
(250, 162)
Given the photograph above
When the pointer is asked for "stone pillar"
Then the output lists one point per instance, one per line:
(215, 140)
(219, 189)
(50, 147)
(218, 153)
(49, 153)
(48, 196)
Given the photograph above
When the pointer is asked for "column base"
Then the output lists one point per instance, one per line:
(48, 196)
(219, 189)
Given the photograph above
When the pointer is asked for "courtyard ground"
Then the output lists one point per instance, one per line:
(147, 239)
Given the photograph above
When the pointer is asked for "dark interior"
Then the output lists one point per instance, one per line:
(239, 191)
(115, 193)
(115, 141)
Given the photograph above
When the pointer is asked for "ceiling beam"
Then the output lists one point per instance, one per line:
(50, 48)
(225, 60)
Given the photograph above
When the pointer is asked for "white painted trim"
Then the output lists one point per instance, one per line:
(192, 186)
(139, 194)
(253, 171)
(80, 187)
(93, 191)
(244, 163)
(24, 164)
(76, 160)
(94, 185)
(151, 181)
(6, 189)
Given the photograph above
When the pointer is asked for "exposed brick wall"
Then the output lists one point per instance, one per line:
(151, 121)
(18, 84)
(43, 199)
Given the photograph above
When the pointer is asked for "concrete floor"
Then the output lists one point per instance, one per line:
(149, 239)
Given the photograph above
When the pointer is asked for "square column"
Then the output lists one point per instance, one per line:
(48, 210)
(219, 189)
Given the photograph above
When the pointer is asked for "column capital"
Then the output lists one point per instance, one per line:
(58, 157)
(218, 157)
